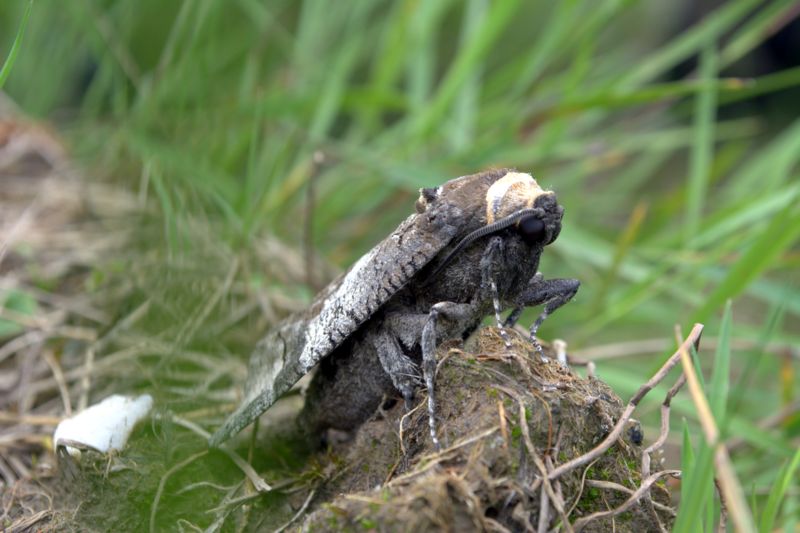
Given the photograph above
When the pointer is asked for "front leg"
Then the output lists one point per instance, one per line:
(493, 250)
(553, 293)
(455, 312)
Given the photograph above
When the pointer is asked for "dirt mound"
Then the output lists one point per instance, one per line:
(507, 421)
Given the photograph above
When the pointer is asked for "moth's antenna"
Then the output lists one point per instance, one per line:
(496, 226)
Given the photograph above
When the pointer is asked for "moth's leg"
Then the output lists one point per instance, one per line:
(552, 293)
(493, 250)
(512, 318)
(460, 313)
(400, 367)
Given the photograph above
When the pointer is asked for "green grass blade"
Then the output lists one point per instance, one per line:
(778, 236)
(776, 495)
(687, 452)
(777, 81)
(736, 218)
(683, 46)
(616, 98)
(462, 131)
(771, 168)
(755, 31)
(720, 377)
(423, 51)
(703, 145)
(168, 211)
(468, 58)
(757, 355)
(12, 54)
(710, 509)
(559, 26)
(331, 97)
(695, 490)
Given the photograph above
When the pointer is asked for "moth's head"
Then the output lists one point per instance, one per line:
(492, 202)
(534, 211)
(498, 200)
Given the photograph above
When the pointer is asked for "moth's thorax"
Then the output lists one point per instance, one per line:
(460, 280)
(511, 193)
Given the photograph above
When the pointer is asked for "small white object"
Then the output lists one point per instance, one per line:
(561, 351)
(104, 426)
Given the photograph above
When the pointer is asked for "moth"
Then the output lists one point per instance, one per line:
(470, 250)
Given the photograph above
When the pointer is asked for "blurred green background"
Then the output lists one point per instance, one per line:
(669, 130)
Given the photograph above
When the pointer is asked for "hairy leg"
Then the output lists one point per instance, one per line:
(493, 250)
(552, 293)
(455, 312)
(513, 317)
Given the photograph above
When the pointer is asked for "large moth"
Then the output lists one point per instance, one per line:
(471, 249)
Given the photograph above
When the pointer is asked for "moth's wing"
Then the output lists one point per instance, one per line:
(271, 372)
(289, 352)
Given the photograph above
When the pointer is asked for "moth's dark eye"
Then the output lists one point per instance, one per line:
(531, 229)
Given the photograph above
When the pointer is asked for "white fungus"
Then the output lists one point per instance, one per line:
(104, 426)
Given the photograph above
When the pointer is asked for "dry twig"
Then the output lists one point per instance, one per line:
(692, 340)
(610, 485)
(300, 511)
(634, 498)
(258, 482)
(548, 494)
(163, 482)
(662, 437)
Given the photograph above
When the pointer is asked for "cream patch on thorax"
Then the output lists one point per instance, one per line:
(511, 193)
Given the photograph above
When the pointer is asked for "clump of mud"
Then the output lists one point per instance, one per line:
(506, 419)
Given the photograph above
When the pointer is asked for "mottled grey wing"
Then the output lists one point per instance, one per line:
(289, 352)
